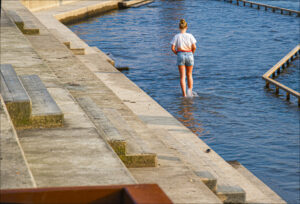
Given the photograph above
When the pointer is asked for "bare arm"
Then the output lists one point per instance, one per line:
(173, 48)
(194, 48)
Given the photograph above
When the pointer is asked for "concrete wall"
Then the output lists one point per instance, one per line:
(35, 5)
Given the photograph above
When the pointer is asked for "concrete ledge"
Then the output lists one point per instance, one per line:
(136, 157)
(208, 179)
(231, 194)
(26, 26)
(139, 160)
(86, 12)
(45, 111)
(15, 96)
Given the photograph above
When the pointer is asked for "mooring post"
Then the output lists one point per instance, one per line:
(287, 96)
(267, 84)
(277, 90)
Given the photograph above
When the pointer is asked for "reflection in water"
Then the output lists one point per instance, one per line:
(185, 115)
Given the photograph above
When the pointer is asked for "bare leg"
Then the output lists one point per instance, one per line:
(189, 73)
(181, 69)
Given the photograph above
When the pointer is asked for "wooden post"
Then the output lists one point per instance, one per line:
(237, 2)
(267, 84)
(277, 90)
(287, 63)
(283, 66)
(299, 102)
(281, 11)
(290, 13)
(266, 8)
(273, 9)
(278, 71)
(258, 7)
(244, 3)
(287, 96)
(251, 5)
(273, 75)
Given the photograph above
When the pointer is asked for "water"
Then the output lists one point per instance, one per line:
(234, 113)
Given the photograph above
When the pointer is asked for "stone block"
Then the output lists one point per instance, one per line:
(15, 96)
(139, 160)
(45, 111)
(231, 194)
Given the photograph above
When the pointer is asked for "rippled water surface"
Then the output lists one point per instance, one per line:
(234, 113)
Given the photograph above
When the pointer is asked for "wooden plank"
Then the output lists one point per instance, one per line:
(282, 61)
(281, 86)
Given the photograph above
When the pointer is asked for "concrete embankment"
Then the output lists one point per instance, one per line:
(113, 132)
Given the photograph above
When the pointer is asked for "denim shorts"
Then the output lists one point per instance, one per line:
(185, 58)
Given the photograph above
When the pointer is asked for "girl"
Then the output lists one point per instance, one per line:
(184, 46)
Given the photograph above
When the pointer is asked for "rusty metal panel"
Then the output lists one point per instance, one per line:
(125, 194)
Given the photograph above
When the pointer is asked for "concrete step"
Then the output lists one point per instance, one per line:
(231, 185)
(14, 170)
(26, 26)
(218, 183)
(129, 150)
(103, 55)
(73, 155)
(45, 111)
(258, 183)
(15, 96)
(60, 37)
(76, 49)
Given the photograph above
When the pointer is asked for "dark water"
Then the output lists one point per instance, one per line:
(234, 113)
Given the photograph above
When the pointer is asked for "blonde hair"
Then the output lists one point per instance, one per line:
(182, 24)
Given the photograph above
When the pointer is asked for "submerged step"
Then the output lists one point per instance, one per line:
(217, 180)
(276, 199)
(15, 96)
(45, 111)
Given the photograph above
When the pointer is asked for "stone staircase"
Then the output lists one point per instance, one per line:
(28, 102)
(131, 150)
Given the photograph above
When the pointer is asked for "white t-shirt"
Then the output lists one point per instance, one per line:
(184, 41)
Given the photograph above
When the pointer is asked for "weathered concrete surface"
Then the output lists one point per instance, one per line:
(14, 170)
(44, 4)
(75, 154)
